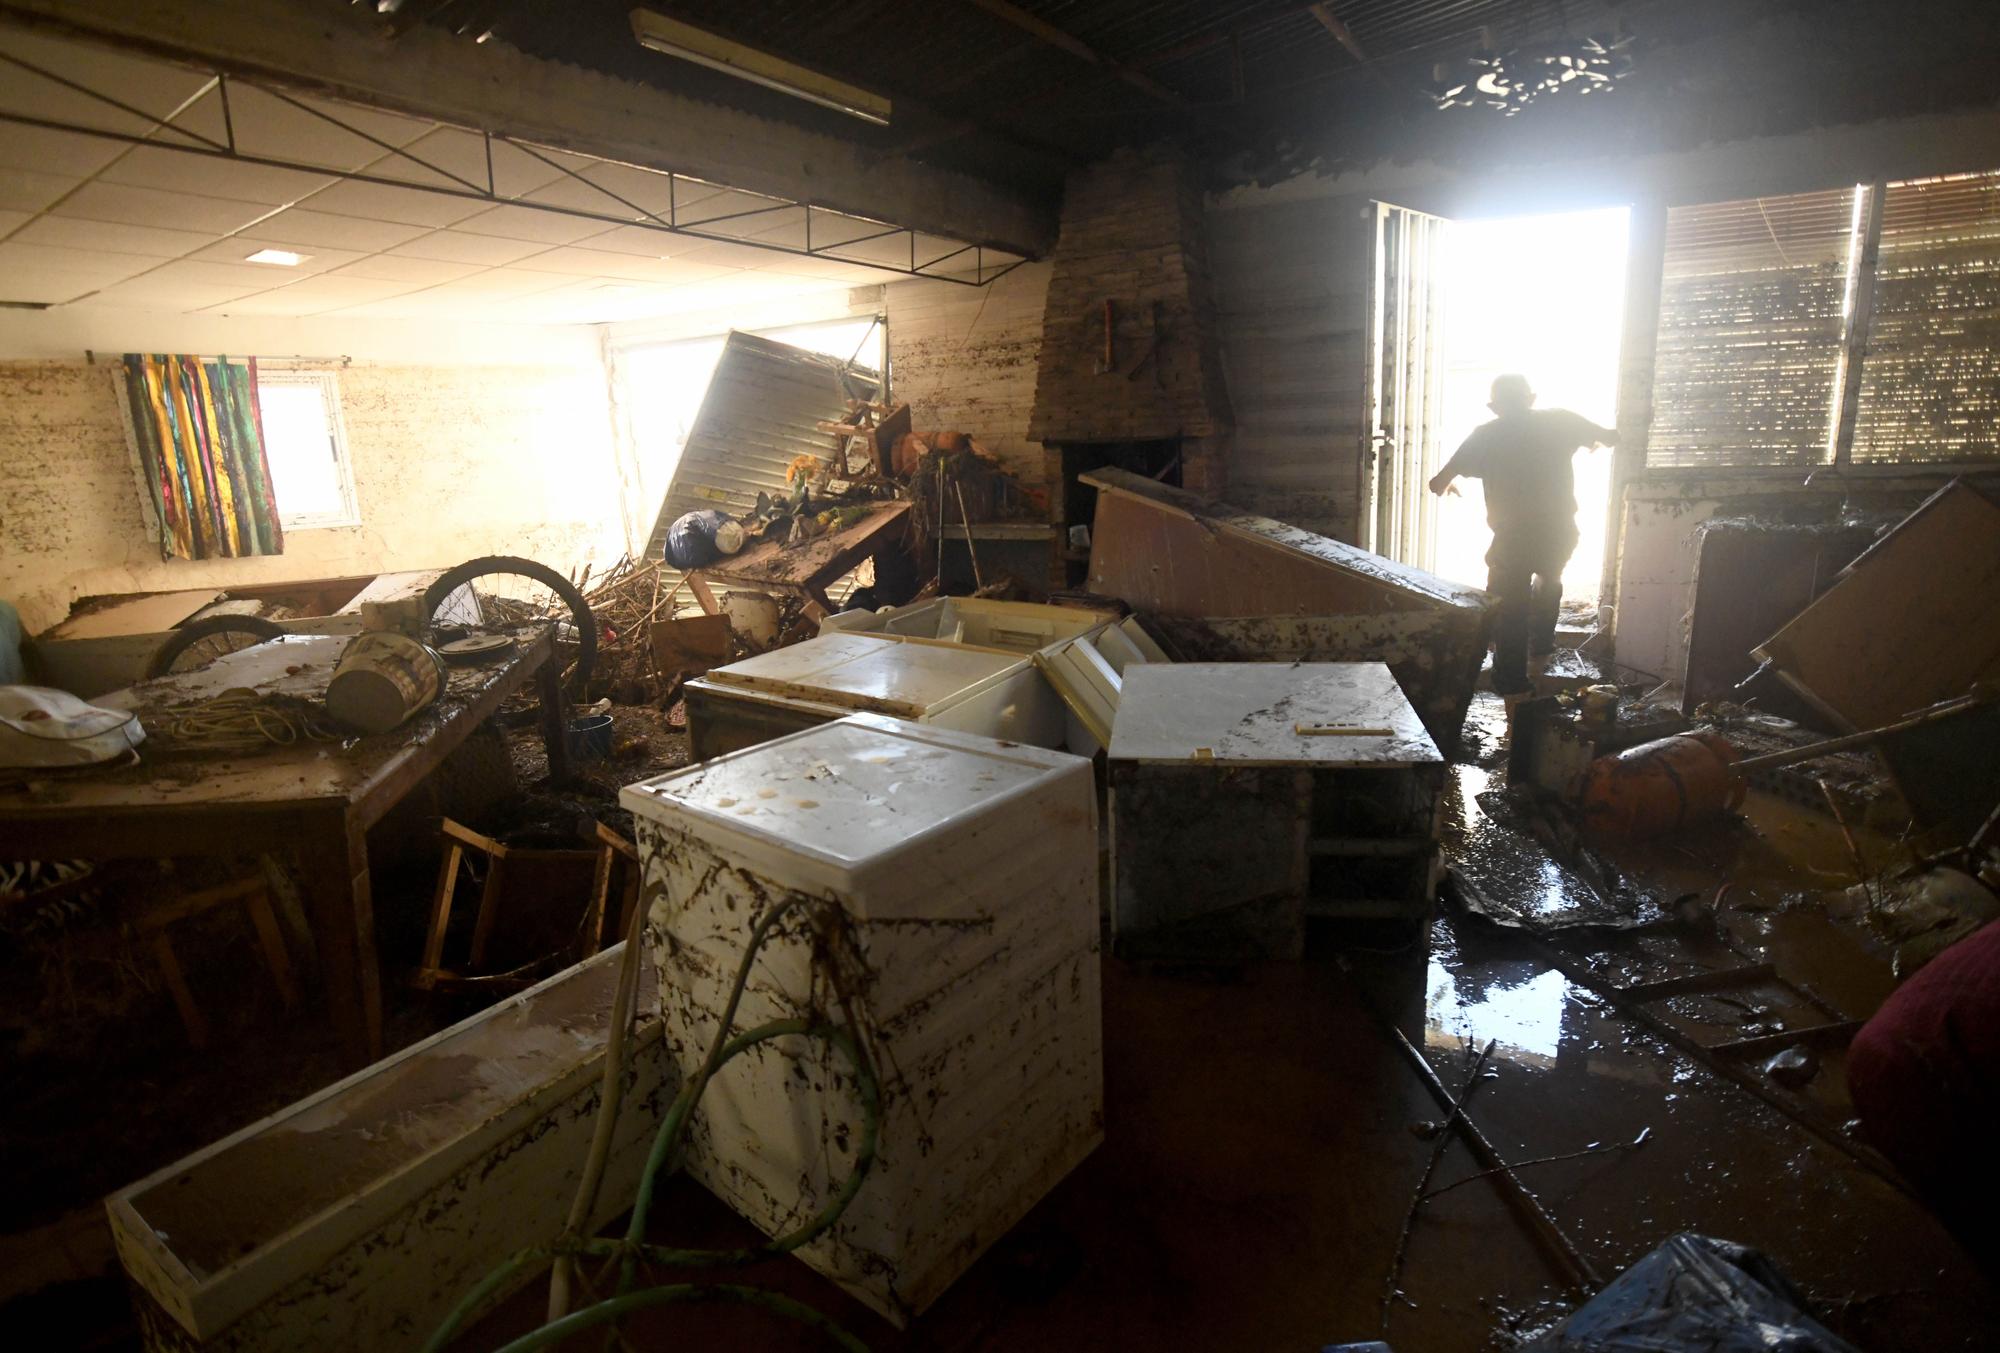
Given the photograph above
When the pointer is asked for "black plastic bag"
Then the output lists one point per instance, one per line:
(1695, 1293)
(691, 539)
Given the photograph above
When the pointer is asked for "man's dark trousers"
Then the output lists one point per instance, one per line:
(1524, 570)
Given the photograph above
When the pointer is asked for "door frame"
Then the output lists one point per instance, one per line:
(1395, 514)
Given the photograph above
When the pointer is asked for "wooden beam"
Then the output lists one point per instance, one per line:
(1341, 33)
(1043, 31)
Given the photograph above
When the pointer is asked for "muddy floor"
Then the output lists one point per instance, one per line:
(1264, 1141)
(98, 1084)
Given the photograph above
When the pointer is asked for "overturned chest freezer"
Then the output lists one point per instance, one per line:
(975, 689)
(942, 903)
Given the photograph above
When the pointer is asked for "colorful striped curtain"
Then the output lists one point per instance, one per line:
(200, 441)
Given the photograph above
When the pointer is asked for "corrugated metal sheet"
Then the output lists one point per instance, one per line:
(760, 413)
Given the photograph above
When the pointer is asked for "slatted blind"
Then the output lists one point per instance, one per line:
(1930, 378)
(1750, 330)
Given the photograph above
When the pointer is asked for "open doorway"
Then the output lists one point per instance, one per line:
(1543, 296)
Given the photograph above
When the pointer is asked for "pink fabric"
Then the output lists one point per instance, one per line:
(1925, 1071)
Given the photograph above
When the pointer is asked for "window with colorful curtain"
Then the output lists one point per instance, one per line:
(199, 439)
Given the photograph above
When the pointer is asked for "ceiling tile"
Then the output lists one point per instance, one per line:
(499, 282)
(576, 261)
(528, 223)
(128, 205)
(300, 225)
(113, 237)
(448, 157)
(311, 295)
(154, 167)
(11, 219)
(379, 202)
(27, 190)
(582, 196)
(269, 126)
(421, 271)
(646, 189)
(238, 248)
(54, 152)
(152, 293)
(18, 256)
(45, 288)
(643, 242)
(153, 87)
(454, 247)
(244, 278)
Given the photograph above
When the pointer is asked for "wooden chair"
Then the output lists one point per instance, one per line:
(255, 896)
(432, 975)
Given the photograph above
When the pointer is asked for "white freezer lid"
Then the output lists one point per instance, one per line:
(850, 791)
(872, 669)
(1251, 714)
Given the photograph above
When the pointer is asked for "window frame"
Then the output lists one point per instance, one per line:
(1858, 321)
(328, 384)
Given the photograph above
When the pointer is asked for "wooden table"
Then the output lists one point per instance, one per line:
(808, 569)
(313, 802)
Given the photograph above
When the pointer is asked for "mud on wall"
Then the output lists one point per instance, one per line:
(449, 462)
(964, 359)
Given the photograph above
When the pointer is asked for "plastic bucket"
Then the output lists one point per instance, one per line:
(383, 678)
(589, 737)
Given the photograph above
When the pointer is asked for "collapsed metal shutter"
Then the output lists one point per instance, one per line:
(761, 412)
(1930, 386)
(1750, 336)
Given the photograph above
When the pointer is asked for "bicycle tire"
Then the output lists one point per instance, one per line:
(192, 632)
(581, 619)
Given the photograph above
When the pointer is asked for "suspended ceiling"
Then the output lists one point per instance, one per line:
(88, 221)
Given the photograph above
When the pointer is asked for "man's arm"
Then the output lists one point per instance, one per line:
(1463, 461)
(1591, 435)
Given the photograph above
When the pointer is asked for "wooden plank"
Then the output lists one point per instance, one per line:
(1173, 553)
(170, 969)
(1909, 623)
(817, 562)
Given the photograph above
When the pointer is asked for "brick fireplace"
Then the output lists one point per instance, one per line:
(1130, 367)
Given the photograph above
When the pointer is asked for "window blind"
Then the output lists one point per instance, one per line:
(1750, 330)
(1930, 376)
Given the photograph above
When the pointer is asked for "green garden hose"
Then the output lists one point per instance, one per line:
(632, 1251)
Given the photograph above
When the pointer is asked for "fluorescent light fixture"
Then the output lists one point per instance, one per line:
(658, 33)
(283, 258)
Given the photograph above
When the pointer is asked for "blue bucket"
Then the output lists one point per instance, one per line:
(589, 737)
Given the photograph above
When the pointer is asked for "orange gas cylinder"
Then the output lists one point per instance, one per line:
(1660, 786)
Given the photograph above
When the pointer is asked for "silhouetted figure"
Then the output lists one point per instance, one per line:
(1523, 456)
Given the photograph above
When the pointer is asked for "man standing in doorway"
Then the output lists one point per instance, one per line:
(1523, 456)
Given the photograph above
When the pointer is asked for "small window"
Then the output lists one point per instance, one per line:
(307, 449)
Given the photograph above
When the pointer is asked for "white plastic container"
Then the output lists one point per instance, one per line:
(978, 690)
(950, 903)
(1016, 626)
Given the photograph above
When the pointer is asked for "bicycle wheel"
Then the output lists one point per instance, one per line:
(197, 643)
(500, 589)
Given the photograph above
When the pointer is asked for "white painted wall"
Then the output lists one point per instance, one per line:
(464, 440)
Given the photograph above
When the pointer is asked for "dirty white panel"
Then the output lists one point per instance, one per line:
(1017, 626)
(947, 890)
(359, 1216)
(978, 690)
(1088, 672)
(1269, 714)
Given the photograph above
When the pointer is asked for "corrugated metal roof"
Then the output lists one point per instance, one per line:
(761, 412)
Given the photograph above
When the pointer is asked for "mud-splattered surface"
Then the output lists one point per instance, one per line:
(1260, 1162)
